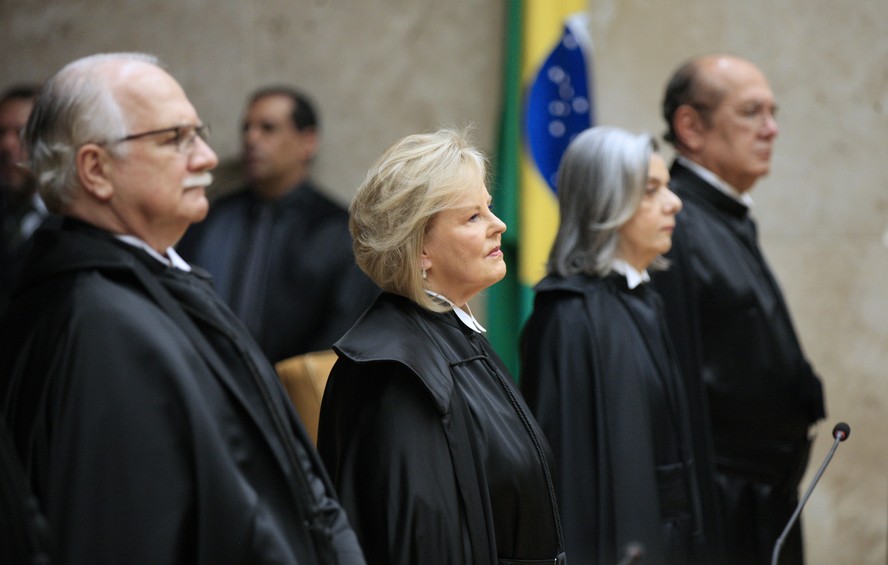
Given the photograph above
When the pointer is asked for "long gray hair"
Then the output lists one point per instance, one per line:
(601, 180)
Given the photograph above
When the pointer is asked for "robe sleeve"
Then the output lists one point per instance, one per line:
(382, 440)
(557, 380)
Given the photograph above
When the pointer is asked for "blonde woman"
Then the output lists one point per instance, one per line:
(432, 450)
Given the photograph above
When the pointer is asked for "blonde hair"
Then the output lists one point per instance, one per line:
(411, 182)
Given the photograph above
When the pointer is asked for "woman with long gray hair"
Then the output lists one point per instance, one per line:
(598, 369)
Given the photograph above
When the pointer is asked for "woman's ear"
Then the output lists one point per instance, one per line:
(93, 171)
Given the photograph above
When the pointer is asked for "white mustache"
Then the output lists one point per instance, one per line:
(203, 179)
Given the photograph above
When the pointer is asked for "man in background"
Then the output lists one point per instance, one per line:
(21, 209)
(279, 250)
(748, 379)
(150, 425)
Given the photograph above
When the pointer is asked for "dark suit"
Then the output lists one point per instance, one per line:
(285, 267)
(746, 372)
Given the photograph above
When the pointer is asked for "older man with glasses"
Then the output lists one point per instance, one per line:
(151, 426)
(749, 382)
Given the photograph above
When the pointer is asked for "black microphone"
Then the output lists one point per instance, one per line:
(840, 432)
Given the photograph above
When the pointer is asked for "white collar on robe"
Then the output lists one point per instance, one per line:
(465, 317)
(716, 181)
(633, 277)
(172, 258)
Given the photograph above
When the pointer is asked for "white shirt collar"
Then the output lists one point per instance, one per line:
(716, 181)
(172, 258)
(633, 277)
(32, 219)
(466, 318)
(38, 204)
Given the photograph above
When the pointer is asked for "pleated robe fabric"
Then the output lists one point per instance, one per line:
(433, 452)
(749, 381)
(149, 423)
(599, 374)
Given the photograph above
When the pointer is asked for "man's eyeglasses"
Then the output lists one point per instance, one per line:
(183, 137)
(755, 113)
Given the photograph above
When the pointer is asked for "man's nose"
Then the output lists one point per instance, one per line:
(203, 157)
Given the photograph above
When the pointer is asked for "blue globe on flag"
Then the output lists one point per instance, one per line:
(558, 105)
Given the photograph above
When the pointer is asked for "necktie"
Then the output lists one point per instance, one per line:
(247, 302)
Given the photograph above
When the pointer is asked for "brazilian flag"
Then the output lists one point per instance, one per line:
(547, 101)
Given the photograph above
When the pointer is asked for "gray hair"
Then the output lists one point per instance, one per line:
(414, 179)
(601, 180)
(76, 106)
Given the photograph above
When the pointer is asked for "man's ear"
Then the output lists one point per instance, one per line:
(93, 171)
(689, 127)
(309, 143)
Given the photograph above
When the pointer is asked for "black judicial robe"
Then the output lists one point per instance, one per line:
(305, 287)
(430, 446)
(151, 427)
(747, 375)
(599, 374)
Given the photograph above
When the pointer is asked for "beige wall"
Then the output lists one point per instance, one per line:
(377, 69)
(381, 69)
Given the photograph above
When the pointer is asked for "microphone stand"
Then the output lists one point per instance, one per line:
(840, 432)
